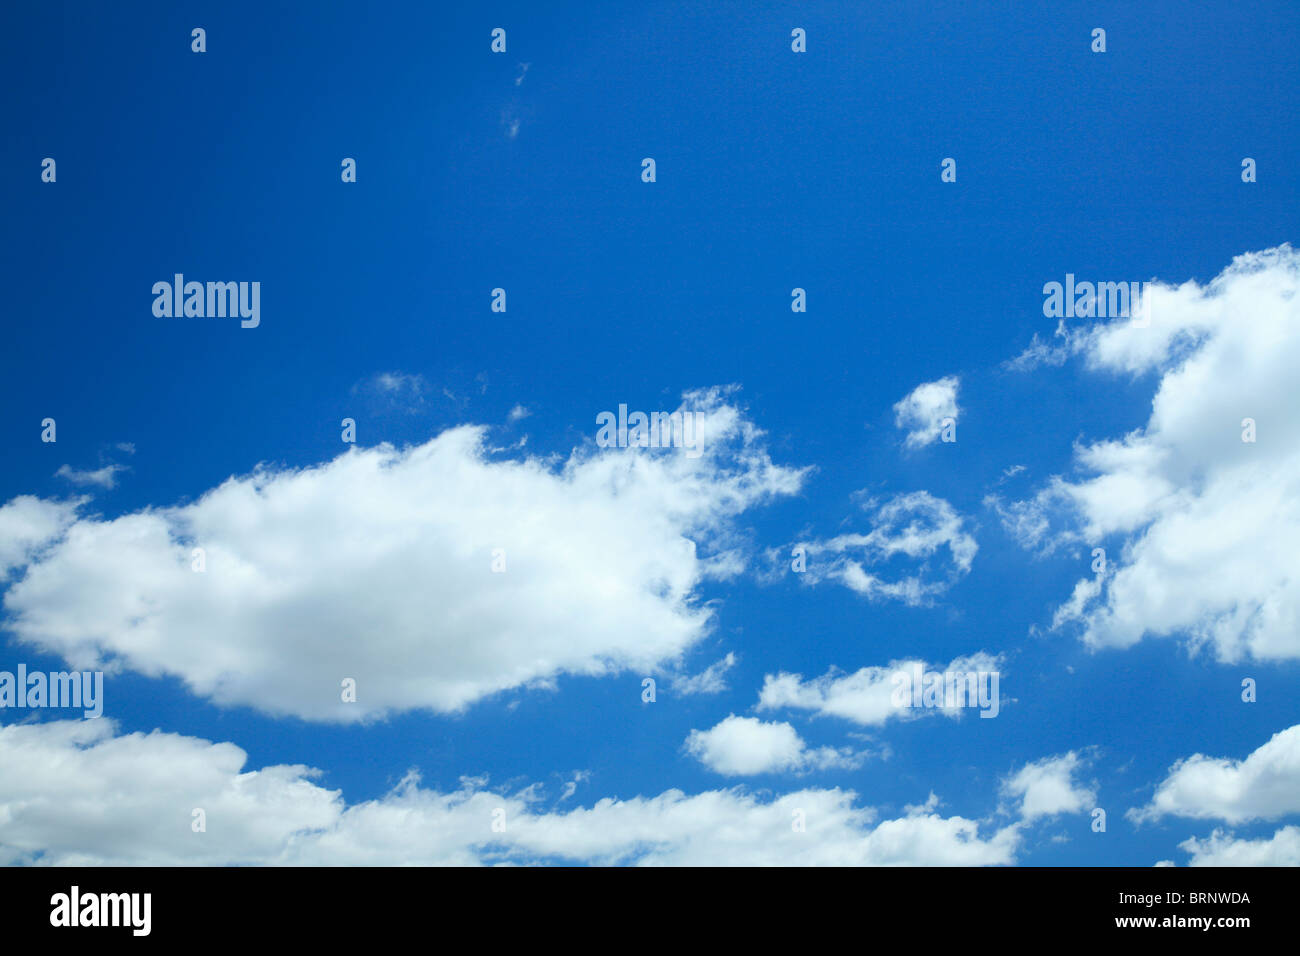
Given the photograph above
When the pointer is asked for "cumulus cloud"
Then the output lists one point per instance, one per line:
(1047, 788)
(917, 527)
(924, 409)
(64, 779)
(742, 746)
(1223, 849)
(1205, 522)
(27, 524)
(1264, 786)
(866, 696)
(378, 566)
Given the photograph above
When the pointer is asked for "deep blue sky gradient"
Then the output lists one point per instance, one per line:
(775, 170)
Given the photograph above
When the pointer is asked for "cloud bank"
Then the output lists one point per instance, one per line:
(1200, 507)
(432, 576)
(64, 779)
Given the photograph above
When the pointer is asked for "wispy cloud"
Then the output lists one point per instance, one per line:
(708, 681)
(395, 390)
(105, 477)
(914, 526)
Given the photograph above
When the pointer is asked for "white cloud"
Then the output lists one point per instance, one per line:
(742, 746)
(708, 681)
(377, 566)
(1047, 788)
(916, 526)
(1222, 849)
(518, 413)
(28, 524)
(81, 796)
(74, 793)
(1207, 523)
(923, 410)
(864, 697)
(1264, 786)
(103, 477)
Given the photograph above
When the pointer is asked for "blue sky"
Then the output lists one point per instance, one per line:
(774, 170)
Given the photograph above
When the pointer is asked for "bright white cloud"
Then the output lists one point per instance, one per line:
(64, 779)
(916, 526)
(28, 524)
(924, 409)
(742, 746)
(866, 696)
(1222, 849)
(1264, 786)
(378, 566)
(1206, 522)
(77, 795)
(1047, 788)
